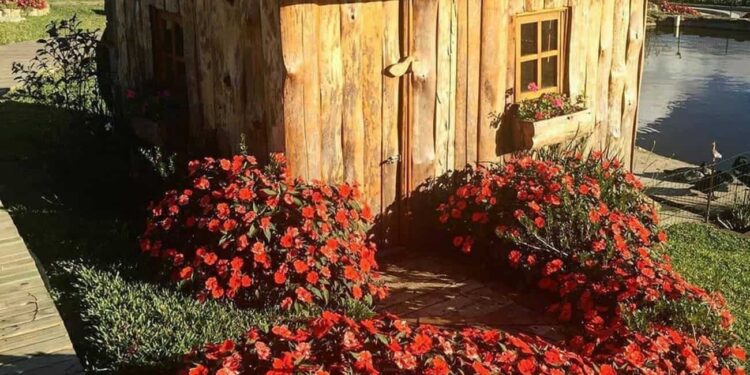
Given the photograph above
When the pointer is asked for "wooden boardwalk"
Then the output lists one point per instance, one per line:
(10, 53)
(33, 339)
(438, 290)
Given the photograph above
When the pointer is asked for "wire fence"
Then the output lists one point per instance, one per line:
(714, 192)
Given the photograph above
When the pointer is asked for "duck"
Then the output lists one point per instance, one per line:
(687, 174)
(721, 180)
(741, 170)
(714, 152)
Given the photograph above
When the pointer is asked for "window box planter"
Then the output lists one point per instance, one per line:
(533, 135)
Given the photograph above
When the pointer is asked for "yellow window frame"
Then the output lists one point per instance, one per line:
(559, 14)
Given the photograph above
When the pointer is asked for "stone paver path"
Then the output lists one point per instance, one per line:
(10, 53)
(33, 339)
(437, 290)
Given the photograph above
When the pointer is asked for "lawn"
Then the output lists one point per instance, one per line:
(717, 260)
(90, 12)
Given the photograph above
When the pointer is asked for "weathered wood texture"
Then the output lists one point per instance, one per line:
(33, 339)
(307, 77)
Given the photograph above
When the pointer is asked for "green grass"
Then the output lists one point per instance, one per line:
(717, 260)
(136, 327)
(91, 13)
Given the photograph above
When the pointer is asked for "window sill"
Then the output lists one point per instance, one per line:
(533, 135)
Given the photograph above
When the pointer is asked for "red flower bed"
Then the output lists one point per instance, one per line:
(335, 344)
(668, 7)
(24, 4)
(258, 237)
(579, 230)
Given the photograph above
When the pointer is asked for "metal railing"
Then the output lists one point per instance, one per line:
(707, 193)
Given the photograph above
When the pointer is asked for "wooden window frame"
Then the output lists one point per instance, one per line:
(559, 14)
(161, 56)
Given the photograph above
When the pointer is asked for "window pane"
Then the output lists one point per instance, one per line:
(549, 35)
(179, 49)
(549, 72)
(169, 36)
(180, 77)
(528, 74)
(529, 39)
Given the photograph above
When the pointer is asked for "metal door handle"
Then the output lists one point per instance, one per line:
(393, 159)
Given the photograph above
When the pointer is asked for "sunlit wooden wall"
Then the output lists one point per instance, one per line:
(307, 77)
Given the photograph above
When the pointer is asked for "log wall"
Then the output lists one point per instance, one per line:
(307, 77)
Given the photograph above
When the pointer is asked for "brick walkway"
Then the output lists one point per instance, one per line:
(16, 52)
(438, 290)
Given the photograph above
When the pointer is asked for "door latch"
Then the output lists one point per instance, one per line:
(393, 159)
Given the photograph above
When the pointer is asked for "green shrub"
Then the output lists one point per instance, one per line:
(140, 327)
(737, 217)
(691, 316)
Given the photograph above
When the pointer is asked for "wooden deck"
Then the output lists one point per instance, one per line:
(439, 290)
(33, 339)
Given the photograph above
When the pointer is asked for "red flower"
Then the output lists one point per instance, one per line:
(246, 194)
(199, 370)
(553, 357)
(405, 360)
(350, 341)
(279, 277)
(262, 350)
(739, 353)
(607, 370)
(479, 369)
(552, 267)
(357, 292)
(312, 277)
(421, 345)
(438, 366)
(539, 222)
(186, 273)
(527, 366)
(514, 257)
(304, 295)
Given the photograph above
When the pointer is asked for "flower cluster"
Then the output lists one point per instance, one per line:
(335, 344)
(256, 236)
(578, 229)
(23, 4)
(548, 105)
(668, 7)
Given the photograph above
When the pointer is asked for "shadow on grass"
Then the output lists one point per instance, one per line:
(70, 188)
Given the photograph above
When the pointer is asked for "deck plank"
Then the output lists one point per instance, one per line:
(33, 339)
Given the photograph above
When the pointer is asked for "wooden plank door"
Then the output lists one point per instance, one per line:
(394, 113)
(429, 106)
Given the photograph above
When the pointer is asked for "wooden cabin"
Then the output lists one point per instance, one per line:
(387, 93)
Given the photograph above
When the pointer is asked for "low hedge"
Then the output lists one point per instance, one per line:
(140, 327)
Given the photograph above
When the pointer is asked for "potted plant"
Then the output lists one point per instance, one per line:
(15, 10)
(10, 11)
(551, 119)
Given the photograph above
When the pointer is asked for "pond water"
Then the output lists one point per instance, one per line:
(696, 89)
